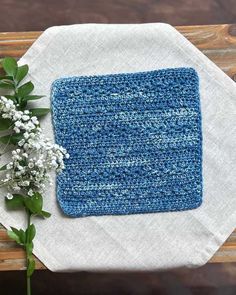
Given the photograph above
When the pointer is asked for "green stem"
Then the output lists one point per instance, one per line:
(28, 282)
(28, 286)
(6, 146)
(2, 183)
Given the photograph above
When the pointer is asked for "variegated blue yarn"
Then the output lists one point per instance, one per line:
(134, 140)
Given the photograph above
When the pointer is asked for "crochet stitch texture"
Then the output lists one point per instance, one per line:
(134, 140)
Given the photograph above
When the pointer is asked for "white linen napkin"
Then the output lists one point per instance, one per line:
(142, 241)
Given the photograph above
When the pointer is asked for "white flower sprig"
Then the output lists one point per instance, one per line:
(35, 155)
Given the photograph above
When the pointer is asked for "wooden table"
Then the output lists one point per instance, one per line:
(218, 42)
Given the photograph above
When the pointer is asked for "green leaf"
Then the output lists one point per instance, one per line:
(17, 202)
(7, 81)
(6, 85)
(30, 267)
(9, 65)
(25, 89)
(5, 124)
(21, 235)
(21, 73)
(6, 77)
(23, 104)
(30, 233)
(33, 97)
(4, 167)
(45, 214)
(11, 138)
(39, 112)
(10, 96)
(5, 139)
(11, 234)
(35, 203)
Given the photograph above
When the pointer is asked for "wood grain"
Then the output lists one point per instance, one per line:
(218, 42)
(38, 15)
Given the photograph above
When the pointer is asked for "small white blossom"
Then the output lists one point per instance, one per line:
(35, 120)
(31, 165)
(30, 192)
(16, 129)
(26, 135)
(21, 142)
(9, 166)
(18, 124)
(35, 156)
(16, 187)
(25, 118)
(9, 196)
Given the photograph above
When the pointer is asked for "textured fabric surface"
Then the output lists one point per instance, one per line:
(137, 241)
(134, 142)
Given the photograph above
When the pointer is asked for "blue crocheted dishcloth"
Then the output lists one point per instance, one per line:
(134, 140)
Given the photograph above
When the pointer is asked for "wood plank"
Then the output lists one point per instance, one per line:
(12, 256)
(218, 42)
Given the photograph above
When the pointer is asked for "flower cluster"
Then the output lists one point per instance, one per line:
(35, 156)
